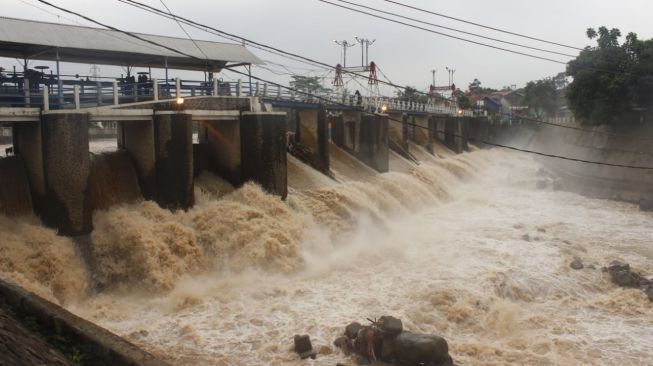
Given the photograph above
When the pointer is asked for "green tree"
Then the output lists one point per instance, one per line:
(540, 96)
(612, 83)
(462, 99)
(410, 93)
(310, 84)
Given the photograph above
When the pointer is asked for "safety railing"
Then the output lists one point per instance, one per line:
(75, 94)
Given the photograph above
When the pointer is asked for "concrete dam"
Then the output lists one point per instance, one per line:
(200, 259)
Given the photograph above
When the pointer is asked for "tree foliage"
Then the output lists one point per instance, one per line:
(541, 97)
(475, 88)
(310, 84)
(612, 82)
(411, 93)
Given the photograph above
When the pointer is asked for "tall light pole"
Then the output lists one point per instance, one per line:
(365, 51)
(433, 72)
(451, 71)
(345, 44)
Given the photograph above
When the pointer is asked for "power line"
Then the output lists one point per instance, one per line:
(459, 136)
(445, 34)
(184, 30)
(454, 29)
(482, 26)
(325, 99)
(326, 66)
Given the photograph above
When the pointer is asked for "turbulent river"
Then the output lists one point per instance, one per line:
(465, 247)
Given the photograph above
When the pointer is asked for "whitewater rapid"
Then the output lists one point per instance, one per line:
(465, 247)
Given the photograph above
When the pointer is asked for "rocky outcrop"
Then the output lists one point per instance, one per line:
(623, 276)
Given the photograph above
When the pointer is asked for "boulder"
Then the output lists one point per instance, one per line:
(351, 331)
(646, 205)
(415, 349)
(304, 347)
(576, 264)
(621, 274)
(391, 325)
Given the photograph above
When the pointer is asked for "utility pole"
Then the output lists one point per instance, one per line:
(345, 44)
(433, 72)
(365, 51)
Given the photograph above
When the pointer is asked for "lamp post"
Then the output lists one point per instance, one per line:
(345, 44)
(365, 48)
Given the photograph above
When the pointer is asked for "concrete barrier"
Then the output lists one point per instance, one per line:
(100, 346)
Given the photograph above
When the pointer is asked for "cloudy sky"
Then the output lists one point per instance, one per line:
(405, 55)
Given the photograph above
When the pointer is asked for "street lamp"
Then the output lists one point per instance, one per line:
(366, 50)
(345, 44)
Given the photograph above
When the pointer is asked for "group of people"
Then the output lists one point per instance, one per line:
(129, 84)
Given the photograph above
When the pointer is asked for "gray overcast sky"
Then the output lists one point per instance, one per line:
(405, 55)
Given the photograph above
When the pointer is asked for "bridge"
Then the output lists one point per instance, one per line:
(244, 129)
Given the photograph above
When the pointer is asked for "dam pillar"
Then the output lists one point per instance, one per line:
(398, 134)
(220, 140)
(373, 139)
(29, 145)
(455, 134)
(421, 131)
(173, 149)
(66, 169)
(338, 130)
(311, 142)
(137, 138)
(433, 133)
(263, 150)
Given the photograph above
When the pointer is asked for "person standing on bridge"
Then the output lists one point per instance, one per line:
(359, 97)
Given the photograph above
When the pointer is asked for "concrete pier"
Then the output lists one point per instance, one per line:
(137, 138)
(311, 139)
(28, 144)
(220, 141)
(373, 139)
(173, 144)
(66, 169)
(263, 150)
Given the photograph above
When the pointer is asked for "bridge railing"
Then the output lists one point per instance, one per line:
(87, 93)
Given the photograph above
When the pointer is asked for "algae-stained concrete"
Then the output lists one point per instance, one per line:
(174, 159)
(66, 168)
(263, 150)
(137, 138)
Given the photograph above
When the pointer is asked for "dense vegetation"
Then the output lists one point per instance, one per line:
(612, 82)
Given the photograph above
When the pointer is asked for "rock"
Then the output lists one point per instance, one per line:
(345, 344)
(541, 184)
(646, 205)
(621, 274)
(391, 325)
(414, 349)
(576, 264)
(351, 331)
(304, 347)
(649, 293)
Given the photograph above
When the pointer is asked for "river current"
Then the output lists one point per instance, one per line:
(466, 247)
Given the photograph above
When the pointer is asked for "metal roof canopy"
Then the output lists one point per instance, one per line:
(20, 38)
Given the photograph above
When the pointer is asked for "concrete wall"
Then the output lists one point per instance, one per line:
(373, 149)
(137, 138)
(174, 159)
(263, 150)
(15, 195)
(28, 144)
(311, 139)
(66, 168)
(224, 148)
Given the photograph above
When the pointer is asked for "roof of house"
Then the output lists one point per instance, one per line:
(42, 41)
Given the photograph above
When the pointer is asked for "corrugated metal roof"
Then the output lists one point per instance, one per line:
(41, 40)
